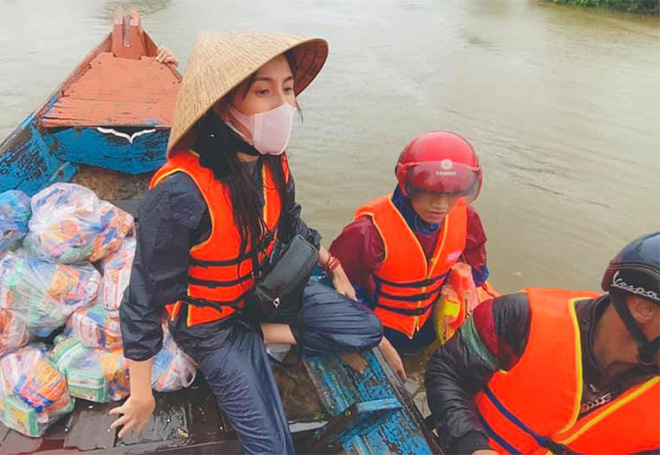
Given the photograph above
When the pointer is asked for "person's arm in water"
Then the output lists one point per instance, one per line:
(168, 220)
(492, 339)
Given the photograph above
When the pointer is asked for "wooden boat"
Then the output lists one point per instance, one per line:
(106, 127)
(114, 111)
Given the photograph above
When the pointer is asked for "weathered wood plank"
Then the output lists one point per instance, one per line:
(3, 432)
(76, 112)
(111, 149)
(89, 426)
(27, 163)
(147, 80)
(167, 422)
(15, 443)
(204, 417)
(341, 386)
(117, 91)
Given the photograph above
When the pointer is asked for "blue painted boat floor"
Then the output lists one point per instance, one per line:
(340, 386)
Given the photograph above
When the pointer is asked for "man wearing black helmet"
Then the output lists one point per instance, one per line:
(556, 370)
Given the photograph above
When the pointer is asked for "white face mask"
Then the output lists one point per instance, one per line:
(270, 130)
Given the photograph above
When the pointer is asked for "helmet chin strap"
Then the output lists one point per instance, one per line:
(646, 350)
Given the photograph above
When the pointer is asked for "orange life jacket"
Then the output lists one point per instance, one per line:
(218, 278)
(534, 407)
(407, 284)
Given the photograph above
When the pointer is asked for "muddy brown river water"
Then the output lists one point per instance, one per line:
(562, 104)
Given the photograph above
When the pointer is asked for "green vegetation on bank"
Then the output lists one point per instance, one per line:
(629, 6)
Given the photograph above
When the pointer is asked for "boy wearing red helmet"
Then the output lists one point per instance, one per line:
(400, 247)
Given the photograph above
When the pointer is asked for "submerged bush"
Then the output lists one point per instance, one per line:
(630, 6)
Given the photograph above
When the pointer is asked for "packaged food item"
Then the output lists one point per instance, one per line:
(14, 364)
(65, 351)
(117, 224)
(44, 294)
(66, 221)
(92, 374)
(95, 327)
(117, 274)
(13, 332)
(458, 299)
(15, 214)
(172, 368)
(34, 393)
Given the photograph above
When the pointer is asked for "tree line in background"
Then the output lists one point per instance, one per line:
(630, 6)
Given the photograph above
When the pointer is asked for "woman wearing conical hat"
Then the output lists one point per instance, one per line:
(214, 211)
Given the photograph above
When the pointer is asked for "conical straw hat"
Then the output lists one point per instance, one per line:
(219, 61)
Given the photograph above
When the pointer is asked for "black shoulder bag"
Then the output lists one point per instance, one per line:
(282, 280)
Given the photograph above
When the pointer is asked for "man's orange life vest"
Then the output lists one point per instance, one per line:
(534, 407)
(407, 284)
(218, 278)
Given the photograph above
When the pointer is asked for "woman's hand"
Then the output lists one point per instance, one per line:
(166, 56)
(135, 413)
(393, 358)
(342, 284)
(485, 452)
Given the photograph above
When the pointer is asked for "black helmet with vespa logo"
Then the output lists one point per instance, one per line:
(636, 271)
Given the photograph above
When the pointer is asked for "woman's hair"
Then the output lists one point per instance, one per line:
(217, 145)
(246, 197)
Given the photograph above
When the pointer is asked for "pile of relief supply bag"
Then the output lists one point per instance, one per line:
(65, 261)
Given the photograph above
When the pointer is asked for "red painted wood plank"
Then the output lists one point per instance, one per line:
(75, 112)
(119, 79)
(128, 38)
(117, 91)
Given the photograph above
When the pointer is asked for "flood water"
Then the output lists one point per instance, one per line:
(562, 104)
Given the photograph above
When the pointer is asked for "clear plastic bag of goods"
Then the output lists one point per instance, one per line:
(117, 225)
(65, 223)
(13, 332)
(117, 274)
(172, 368)
(15, 214)
(70, 224)
(44, 294)
(95, 327)
(33, 393)
(92, 374)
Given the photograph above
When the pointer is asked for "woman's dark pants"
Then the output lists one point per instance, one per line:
(232, 358)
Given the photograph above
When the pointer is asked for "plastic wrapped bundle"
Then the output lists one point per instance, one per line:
(15, 214)
(458, 299)
(117, 274)
(117, 224)
(95, 327)
(42, 294)
(92, 374)
(66, 221)
(33, 393)
(172, 369)
(13, 332)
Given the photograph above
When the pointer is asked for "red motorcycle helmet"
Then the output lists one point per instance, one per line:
(440, 162)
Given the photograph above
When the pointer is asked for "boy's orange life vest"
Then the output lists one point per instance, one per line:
(407, 284)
